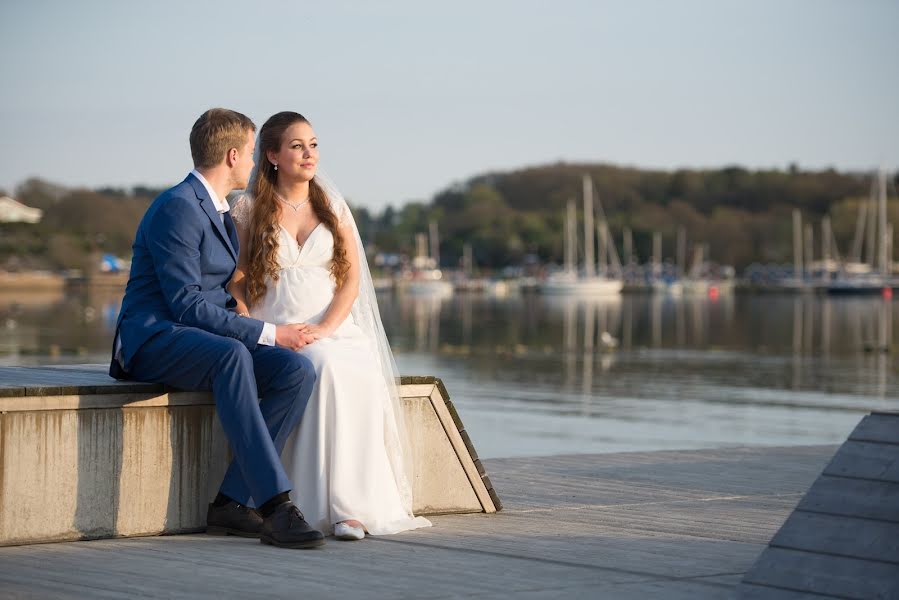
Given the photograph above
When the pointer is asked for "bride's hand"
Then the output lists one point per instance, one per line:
(316, 330)
(292, 336)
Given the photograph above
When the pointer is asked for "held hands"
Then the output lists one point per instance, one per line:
(316, 330)
(292, 336)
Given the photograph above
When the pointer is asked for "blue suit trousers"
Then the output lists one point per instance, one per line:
(189, 358)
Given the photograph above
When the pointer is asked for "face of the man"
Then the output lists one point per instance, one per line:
(244, 164)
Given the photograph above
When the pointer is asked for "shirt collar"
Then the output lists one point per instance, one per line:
(220, 205)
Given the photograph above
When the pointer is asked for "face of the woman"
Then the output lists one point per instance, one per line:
(298, 155)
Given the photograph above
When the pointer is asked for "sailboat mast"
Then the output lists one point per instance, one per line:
(855, 253)
(570, 224)
(871, 237)
(889, 249)
(602, 230)
(435, 243)
(656, 254)
(809, 245)
(882, 205)
(589, 267)
(797, 245)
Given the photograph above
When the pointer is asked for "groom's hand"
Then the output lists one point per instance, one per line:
(291, 336)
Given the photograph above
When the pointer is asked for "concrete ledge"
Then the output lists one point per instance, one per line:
(84, 457)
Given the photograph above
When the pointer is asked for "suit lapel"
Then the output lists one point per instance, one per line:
(209, 208)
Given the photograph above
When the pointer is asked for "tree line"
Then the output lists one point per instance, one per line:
(744, 216)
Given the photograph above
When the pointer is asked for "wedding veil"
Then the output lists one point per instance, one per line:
(366, 315)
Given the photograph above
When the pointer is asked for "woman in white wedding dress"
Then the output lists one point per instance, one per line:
(301, 261)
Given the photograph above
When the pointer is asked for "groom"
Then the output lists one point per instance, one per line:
(177, 327)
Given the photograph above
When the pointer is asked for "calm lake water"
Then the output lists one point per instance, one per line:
(533, 375)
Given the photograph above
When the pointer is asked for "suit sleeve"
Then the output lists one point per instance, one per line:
(174, 238)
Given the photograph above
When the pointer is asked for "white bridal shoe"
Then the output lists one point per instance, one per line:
(342, 531)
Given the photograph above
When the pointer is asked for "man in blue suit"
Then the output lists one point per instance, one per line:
(177, 326)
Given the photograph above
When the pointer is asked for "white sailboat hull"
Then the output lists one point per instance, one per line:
(581, 286)
(427, 287)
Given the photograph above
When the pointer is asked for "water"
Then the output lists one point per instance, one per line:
(531, 375)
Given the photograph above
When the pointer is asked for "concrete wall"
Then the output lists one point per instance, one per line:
(96, 466)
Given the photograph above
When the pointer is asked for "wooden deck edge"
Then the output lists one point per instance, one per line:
(844, 523)
(886, 413)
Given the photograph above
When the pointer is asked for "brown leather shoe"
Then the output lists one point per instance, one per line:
(233, 519)
(287, 528)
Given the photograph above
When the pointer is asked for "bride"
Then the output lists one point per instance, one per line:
(301, 261)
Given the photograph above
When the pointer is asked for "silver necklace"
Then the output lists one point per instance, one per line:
(295, 207)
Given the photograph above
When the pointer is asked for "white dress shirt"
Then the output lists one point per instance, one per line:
(267, 337)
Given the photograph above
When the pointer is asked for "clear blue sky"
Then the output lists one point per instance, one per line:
(408, 96)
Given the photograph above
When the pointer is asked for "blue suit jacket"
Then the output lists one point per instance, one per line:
(182, 260)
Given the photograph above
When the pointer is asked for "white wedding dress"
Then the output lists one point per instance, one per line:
(338, 457)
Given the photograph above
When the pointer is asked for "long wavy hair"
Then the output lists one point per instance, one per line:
(263, 231)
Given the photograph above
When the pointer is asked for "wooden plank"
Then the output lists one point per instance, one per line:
(842, 536)
(878, 427)
(50, 374)
(634, 477)
(80, 379)
(866, 460)
(759, 592)
(828, 575)
(853, 498)
(417, 379)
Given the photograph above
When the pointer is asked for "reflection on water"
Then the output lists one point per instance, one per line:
(50, 327)
(534, 375)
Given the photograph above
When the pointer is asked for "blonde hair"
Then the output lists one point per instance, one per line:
(214, 133)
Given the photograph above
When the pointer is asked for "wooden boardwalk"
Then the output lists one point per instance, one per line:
(843, 539)
(664, 525)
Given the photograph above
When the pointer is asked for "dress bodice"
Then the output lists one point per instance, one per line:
(304, 288)
(316, 252)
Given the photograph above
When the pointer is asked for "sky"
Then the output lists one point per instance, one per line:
(409, 97)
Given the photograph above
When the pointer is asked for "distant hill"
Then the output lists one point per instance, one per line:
(745, 216)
